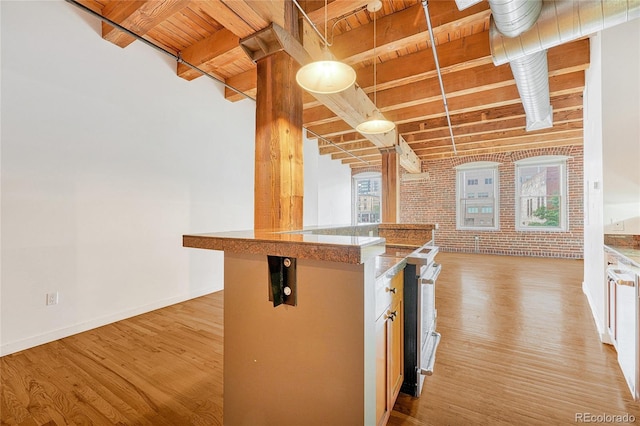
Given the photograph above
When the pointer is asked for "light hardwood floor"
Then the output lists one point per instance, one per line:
(519, 347)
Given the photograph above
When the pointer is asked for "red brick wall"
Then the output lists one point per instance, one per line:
(433, 200)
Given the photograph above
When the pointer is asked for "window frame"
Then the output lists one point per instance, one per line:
(461, 179)
(545, 161)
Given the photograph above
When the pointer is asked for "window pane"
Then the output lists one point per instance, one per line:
(368, 200)
(477, 198)
(540, 189)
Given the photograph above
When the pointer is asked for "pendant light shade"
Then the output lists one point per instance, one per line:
(326, 77)
(376, 125)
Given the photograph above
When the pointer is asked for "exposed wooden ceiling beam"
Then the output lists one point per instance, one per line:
(251, 15)
(478, 129)
(565, 107)
(335, 9)
(361, 153)
(570, 118)
(138, 16)
(219, 48)
(484, 138)
(118, 12)
(481, 99)
(444, 145)
(229, 19)
(505, 145)
(402, 29)
(563, 59)
(419, 65)
(573, 135)
(245, 82)
(489, 115)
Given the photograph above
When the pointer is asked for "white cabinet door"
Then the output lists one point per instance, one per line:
(627, 332)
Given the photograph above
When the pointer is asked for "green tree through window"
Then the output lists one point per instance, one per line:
(549, 214)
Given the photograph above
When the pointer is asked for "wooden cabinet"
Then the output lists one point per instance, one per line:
(389, 344)
(396, 339)
(382, 370)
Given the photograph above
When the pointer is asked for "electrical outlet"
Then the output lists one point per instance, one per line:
(52, 298)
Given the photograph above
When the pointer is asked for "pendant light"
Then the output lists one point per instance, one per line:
(328, 75)
(376, 123)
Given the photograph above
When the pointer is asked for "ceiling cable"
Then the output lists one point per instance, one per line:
(375, 61)
(435, 58)
(179, 59)
(337, 146)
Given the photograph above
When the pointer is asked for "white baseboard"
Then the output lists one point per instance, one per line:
(30, 342)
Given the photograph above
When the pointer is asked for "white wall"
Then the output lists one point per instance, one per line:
(593, 285)
(327, 193)
(621, 127)
(108, 158)
(311, 177)
(334, 195)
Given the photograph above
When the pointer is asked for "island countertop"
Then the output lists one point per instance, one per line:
(388, 243)
(334, 248)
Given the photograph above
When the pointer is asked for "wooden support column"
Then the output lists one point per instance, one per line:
(279, 185)
(390, 184)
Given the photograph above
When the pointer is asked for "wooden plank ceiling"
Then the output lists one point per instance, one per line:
(486, 113)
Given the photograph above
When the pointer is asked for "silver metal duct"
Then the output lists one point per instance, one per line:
(510, 18)
(513, 17)
(532, 79)
(562, 21)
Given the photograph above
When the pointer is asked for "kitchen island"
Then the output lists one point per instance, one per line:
(310, 360)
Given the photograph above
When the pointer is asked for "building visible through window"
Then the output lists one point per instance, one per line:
(368, 198)
(477, 193)
(540, 191)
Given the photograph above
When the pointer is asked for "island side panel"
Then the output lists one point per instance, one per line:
(304, 364)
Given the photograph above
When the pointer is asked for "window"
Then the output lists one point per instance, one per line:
(541, 188)
(477, 209)
(368, 197)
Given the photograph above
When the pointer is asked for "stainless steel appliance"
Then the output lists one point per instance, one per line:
(420, 336)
